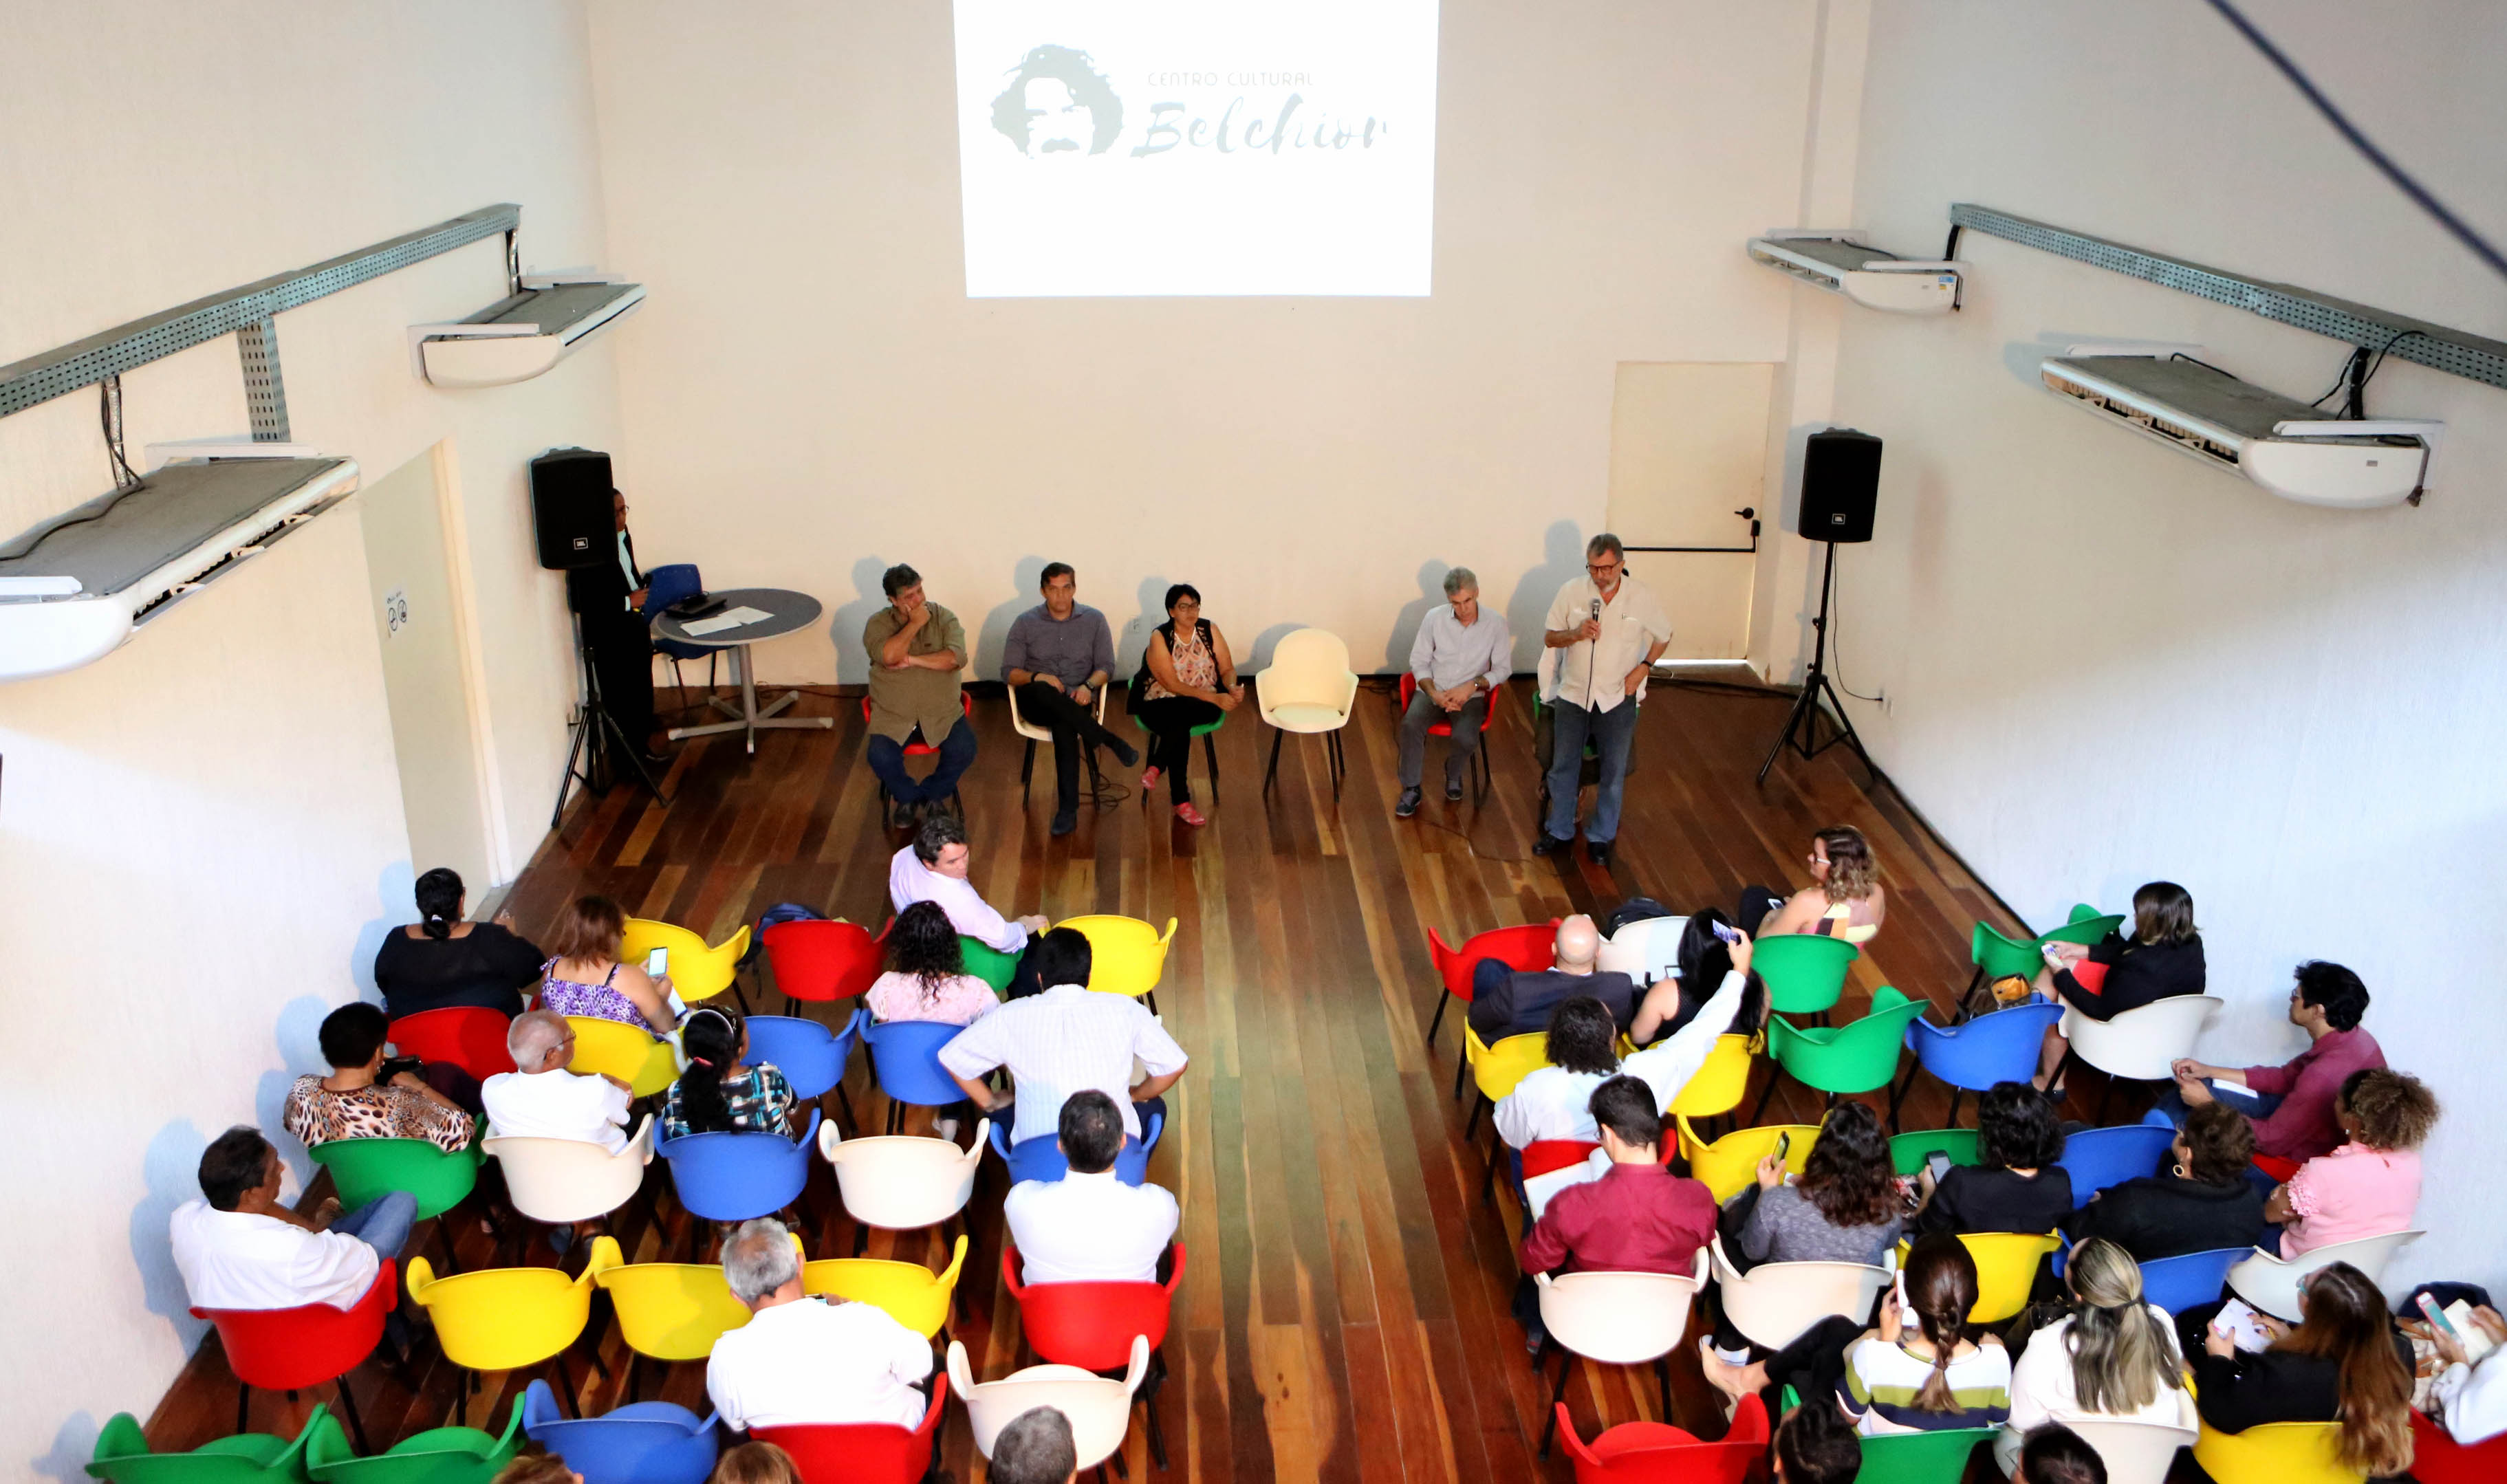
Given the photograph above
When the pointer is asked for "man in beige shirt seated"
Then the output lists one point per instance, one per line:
(917, 651)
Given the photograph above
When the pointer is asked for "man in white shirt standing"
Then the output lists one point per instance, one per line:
(541, 1100)
(239, 1247)
(1089, 1226)
(801, 1360)
(1462, 654)
(1601, 638)
(933, 868)
(1065, 1040)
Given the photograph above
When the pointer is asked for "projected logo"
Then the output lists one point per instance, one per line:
(1058, 104)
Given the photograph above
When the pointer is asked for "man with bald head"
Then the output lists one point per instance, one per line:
(1505, 1002)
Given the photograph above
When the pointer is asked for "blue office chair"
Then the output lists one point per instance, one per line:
(662, 587)
(905, 1059)
(649, 1442)
(739, 1177)
(1041, 1158)
(1974, 1055)
(811, 1056)
(2102, 1157)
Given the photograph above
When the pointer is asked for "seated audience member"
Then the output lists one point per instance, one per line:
(2054, 1453)
(2469, 1397)
(1816, 1445)
(1035, 1448)
(2345, 1362)
(2161, 960)
(541, 1100)
(2369, 1185)
(1058, 657)
(2114, 1355)
(351, 1103)
(238, 1248)
(926, 976)
(1638, 1218)
(1062, 1041)
(917, 650)
(1845, 1209)
(1699, 963)
(801, 1360)
(749, 1463)
(1554, 1101)
(440, 962)
(719, 1091)
(2017, 1187)
(1089, 1226)
(1738, 1005)
(2200, 1199)
(1505, 1002)
(2291, 1106)
(1846, 902)
(933, 868)
(585, 977)
(1460, 659)
(1192, 683)
(550, 1468)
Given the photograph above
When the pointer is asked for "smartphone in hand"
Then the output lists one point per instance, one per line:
(656, 962)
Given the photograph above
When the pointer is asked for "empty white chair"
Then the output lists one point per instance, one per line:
(1774, 1302)
(1618, 1319)
(1098, 1409)
(902, 1182)
(562, 1180)
(1309, 689)
(1645, 950)
(2272, 1283)
(2141, 1046)
(2135, 1452)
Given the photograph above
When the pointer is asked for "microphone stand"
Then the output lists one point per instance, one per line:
(598, 738)
(1801, 726)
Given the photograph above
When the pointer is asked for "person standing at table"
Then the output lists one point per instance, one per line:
(917, 649)
(1599, 642)
(609, 598)
(1461, 656)
(1058, 659)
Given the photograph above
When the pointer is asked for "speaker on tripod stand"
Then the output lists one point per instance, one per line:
(1840, 488)
(576, 532)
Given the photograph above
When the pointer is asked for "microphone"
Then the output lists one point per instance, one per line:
(1597, 610)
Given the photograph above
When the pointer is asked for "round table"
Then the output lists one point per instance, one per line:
(786, 612)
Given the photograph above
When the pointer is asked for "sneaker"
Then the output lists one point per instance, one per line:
(1126, 751)
(1189, 814)
(1065, 822)
(1149, 776)
(1599, 850)
(902, 815)
(1547, 843)
(1453, 790)
(1408, 804)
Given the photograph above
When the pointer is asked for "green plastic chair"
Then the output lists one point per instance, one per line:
(1909, 1151)
(1913, 1458)
(122, 1456)
(1804, 972)
(987, 962)
(1857, 1057)
(1208, 748)
(1996, 956)
(436, 1456)
(363, 1168)
(2086, 926)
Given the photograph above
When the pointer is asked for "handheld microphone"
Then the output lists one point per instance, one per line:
(1597, 610)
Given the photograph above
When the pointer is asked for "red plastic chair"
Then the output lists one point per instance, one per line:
(282, 1350)
(2438, 1459)
(1488, 718)
(965, 705)
(1655, 1453)
(1544, 1156)
(863, 1452)
(824, 960)
(1521, 949)
(1091, 1326)
(471, 1037)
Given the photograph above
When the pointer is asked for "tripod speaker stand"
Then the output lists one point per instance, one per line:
(599, 741)
(1801, 726)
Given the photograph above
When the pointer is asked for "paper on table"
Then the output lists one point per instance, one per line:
(721, 621)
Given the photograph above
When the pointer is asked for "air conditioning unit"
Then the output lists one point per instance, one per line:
(2283, 445)
(518, 337)
(1842, 262)
(76, 588)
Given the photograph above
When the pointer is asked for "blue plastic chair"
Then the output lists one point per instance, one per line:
(2102, 1157)
(2001, 1046)
(648, 1442)
(739, 1177)
(1041, 1158)
(905, 1059)
(2179, 1284)
(662, 587)
(811, 1056)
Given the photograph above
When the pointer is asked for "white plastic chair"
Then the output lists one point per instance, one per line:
(562, 1180)
(1774, 1302)
(1098, 1409)
(2135, 1452)
(1618, 1319)
(2141, 1046)
(2272, 1283)
(1645, 950)
(901, 1182)
(1309, 689)
(1035, 734)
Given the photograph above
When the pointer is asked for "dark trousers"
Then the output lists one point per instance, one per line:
(1757, 903)
(1425, 713)
(957, 755)
(622, 662)
(1812, 1364)
(1171, 720)
(1074, 727)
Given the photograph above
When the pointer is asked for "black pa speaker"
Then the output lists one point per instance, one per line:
(1841, 485)
(570, 508)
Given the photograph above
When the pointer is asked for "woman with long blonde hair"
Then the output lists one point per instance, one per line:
(1846, 899)
(2113, 1357)
(2343, 1362)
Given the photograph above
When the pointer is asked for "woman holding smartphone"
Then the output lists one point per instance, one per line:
(585, 977)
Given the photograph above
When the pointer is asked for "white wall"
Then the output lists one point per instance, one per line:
(200, 836)
(2105, 662)
(811, 397)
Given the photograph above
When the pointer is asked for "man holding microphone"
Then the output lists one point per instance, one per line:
(1601, 636)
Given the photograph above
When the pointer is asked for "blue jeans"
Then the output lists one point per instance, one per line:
(1612, 732)
(957, 755)
(382, 1223)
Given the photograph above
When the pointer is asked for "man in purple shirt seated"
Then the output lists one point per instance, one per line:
(1639, 1217)
(1058, 659)
(2291, 1106)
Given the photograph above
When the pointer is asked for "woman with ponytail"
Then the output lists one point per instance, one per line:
(2345, 1362)
(2113, 1356)
(719, 1093)
(440, 962)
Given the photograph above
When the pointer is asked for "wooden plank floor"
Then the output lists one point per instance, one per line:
(1344, 1315)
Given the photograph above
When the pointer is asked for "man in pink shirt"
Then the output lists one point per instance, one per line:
(2291, 1106)
(2372, 1184)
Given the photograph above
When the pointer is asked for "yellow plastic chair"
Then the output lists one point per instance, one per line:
(505, 1319)
(1495, 1069)
(1719, 1085)
(614, 1048)
(2275, 1453)
(913, 1294)
(2006, 1268)
(672, 1311)
(1733, 1161)
(1127, 956)
(696, 972)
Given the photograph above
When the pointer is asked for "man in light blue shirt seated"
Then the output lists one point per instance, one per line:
(1460, 659)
